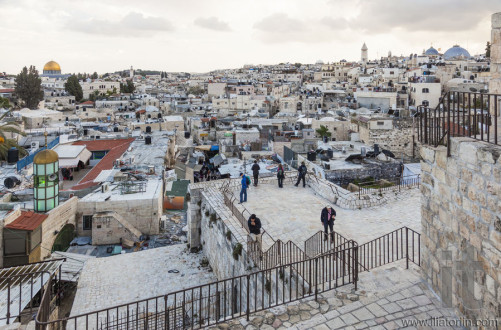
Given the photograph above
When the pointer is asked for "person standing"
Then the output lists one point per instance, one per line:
(302, 170)
(255, 172)
(280, 176)
(327, 217)
(243, 191)
(254, 225)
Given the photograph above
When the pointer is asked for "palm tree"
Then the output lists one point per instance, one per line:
(6, 143)
(323, 131)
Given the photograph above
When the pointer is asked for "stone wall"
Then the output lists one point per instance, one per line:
(461, 221)
(57, 218)
(399, 139)
(143, 214)
(372, 168)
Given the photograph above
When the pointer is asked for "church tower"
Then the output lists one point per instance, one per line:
(365, 55)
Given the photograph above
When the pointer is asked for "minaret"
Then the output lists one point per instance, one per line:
(365, 56)
(131, 72)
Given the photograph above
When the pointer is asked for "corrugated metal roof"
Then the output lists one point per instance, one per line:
(72, 267)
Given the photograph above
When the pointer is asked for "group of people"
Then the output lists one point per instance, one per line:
(245, 180)
(327, 217)
(208, 172)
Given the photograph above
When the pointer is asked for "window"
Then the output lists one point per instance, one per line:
(425, 90)
(87, 222)
(380, 123)
(425, 103)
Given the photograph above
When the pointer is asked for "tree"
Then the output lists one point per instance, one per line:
(94, 75)
(488, 49)
(196, 90)
(128, 87)
(73, 87)
(6, 143)
(323, 131)
(4, 103)
(29, 87)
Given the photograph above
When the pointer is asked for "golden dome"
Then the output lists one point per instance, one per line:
(46, 156)
(52, 66)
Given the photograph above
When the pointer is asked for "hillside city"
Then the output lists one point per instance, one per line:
(347, 194)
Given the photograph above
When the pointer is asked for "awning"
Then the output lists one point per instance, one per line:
(68, 162)
(203, 148)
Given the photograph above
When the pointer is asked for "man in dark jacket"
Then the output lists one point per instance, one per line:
(301, 175)
(255, 172)
(254, 225)
(327, 217)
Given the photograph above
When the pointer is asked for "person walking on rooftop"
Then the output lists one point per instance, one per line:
(245, 184)
(255, 172)
(327, 217)
(254, 225)
(302, 170)
(280, 176)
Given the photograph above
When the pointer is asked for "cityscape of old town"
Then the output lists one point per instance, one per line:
(270, 164)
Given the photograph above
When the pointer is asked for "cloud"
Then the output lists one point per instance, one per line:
(280, 28)
(378, 16)
(334, 23)
(279, 23)
(212, 23)
(133, 24)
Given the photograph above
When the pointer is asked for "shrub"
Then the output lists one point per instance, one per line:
(228, 235)
(237, 251)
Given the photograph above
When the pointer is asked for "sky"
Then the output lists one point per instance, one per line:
(204, 35)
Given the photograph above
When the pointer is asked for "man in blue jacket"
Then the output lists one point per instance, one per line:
(243, 191)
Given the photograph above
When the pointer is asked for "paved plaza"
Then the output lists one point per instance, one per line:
(293, 213)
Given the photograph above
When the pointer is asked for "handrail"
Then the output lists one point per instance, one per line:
(220, 301)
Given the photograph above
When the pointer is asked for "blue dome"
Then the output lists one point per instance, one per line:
(431, 51)
(456, 53)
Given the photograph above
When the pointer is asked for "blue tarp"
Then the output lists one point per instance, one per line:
(84, 240)
(214, 148)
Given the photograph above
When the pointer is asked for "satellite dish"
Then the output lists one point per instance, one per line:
(53, 177)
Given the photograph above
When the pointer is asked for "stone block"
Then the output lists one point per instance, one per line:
(441, 157)
(428, 154)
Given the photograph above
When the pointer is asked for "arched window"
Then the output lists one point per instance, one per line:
(425, 90)
(425, 103)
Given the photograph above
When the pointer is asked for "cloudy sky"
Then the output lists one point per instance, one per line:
(201, 35)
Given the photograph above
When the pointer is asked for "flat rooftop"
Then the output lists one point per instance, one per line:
(153, 188)
(115, 280)
(293, 213)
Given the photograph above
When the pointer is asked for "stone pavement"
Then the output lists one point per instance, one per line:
(293, 213)
(387, 298)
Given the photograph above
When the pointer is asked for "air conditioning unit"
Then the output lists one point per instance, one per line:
(35, 145)
(105, 187)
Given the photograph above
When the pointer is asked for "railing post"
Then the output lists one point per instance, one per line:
(248, 297)
(8, 300)
(355, 266)
(407, 246)
(316, 279)
(166, 315)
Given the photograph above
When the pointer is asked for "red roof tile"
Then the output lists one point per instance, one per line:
(7, 90)
(28, 220)
(116, 149)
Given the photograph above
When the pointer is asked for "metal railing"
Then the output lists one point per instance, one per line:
(473, 115)
(373, 187)
(15, 283)
(399, 244)
(220, 301)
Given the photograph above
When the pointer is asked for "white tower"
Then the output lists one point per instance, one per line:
(131, 72)
(365, 56)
